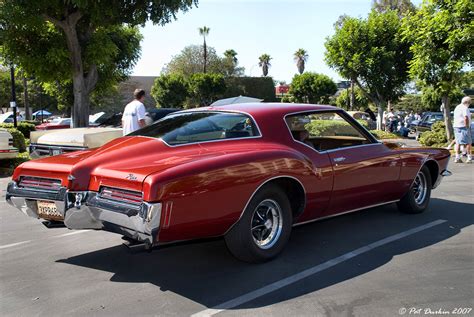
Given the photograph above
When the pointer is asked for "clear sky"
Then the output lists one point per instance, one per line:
(251, 28)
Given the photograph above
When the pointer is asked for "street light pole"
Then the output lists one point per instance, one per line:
(13, 102)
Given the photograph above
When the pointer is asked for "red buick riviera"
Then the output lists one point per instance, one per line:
(246, 172)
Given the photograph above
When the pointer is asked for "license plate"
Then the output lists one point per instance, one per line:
(57, 151)
(48, 210)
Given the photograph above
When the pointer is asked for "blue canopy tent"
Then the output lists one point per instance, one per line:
(42, 114)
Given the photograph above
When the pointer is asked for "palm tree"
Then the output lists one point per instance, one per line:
(204, 31)
(301, 56)
(264, 62)
(231, 55)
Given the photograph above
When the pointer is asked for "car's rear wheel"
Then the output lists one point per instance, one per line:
(264, 228)
(416, 200)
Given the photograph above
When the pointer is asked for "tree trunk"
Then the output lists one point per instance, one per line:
(25, 99)
(352, 98)
(83, 83)
(205, 56)
(379, 115)
(447, 118)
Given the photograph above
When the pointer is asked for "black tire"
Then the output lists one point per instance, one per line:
(242, 240)
(414, 201)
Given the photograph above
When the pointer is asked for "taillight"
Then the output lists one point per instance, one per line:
(39, 183)
(121, 195)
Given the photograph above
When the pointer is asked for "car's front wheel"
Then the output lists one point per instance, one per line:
(416, 200)
(264, 228)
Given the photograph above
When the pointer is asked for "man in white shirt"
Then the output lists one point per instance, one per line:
(133, 117)
(462, 129)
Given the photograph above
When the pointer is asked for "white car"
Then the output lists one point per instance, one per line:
(7, 117)
(7, 150)
(55, 142)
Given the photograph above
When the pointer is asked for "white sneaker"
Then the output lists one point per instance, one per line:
(457, 160)
(469, 160)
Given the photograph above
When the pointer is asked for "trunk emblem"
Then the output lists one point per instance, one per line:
(131, 177)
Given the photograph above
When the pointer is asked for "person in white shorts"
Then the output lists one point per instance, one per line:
(462, 129)
(133, 117)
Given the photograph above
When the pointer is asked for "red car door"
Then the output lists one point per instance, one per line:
(364, 176)
(365, 172)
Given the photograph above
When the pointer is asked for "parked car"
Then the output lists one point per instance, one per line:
(7, 117)
(55, 142)
(426, 122)
(7, 150)
(245, 172)
(364, 116)
(104, 128)
(55, 124)
(156, 114)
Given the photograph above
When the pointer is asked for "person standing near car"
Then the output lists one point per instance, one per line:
(133, 117)
(462, 129)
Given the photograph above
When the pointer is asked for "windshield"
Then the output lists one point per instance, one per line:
(193, 127)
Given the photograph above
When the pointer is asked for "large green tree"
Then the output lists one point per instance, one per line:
(206, 88)
(190, 60)
(373, 53)
(402, 7)
(79, 40)
(170, 91)
(312, 88)
(442, 32)
(360, 101)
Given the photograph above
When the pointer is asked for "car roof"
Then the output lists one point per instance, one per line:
(263, 109)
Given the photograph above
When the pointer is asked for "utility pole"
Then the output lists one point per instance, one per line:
(13, 102)
(25, 98)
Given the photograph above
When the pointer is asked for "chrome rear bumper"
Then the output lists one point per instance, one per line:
(86, 210)
(444, 173)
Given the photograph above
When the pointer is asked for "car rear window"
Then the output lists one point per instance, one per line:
(195, 127)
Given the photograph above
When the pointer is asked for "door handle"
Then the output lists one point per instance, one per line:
(339, 159)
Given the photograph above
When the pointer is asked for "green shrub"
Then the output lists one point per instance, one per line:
(11, 164)
(436, 137)
(24, 127)
(332, 127)
(18, 139)
(382, 135)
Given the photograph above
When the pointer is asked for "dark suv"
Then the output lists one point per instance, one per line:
(426, 122)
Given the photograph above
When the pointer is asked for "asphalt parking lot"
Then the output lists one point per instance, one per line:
(377, 262)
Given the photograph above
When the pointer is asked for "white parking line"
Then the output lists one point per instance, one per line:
(311, 271)
(28, 241)
(71, 233)
(13, 244)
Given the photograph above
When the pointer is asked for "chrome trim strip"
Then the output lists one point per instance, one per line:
(374, 141)
(48, 146)
(260, 186)
(210, 141)
(344, 212)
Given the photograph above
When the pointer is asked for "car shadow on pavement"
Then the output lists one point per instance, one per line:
(207, 273)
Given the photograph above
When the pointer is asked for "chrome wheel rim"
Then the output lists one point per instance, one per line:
(420, 188)
(267, 224)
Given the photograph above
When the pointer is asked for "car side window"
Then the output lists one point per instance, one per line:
(325, 131)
